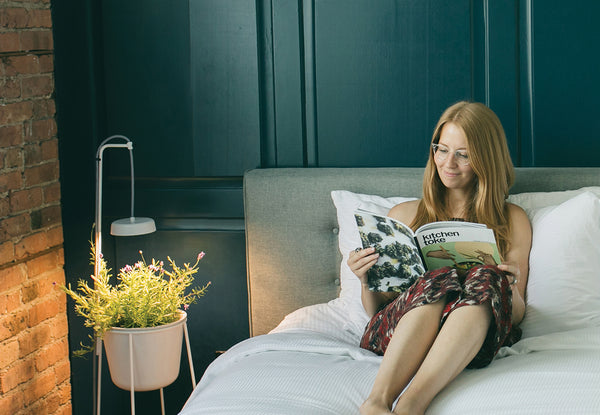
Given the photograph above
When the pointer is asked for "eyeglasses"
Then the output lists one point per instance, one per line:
(441, 152)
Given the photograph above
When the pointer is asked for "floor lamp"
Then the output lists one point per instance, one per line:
(131, 226)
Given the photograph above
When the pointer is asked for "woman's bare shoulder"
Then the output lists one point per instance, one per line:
(520, 224)
(516, 212)
(405, 212)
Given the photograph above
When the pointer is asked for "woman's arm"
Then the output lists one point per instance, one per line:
(516, 262)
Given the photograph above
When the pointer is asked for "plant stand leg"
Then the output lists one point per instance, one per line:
(189, 353)
(98, 352)
(162, 401)
(132, 391)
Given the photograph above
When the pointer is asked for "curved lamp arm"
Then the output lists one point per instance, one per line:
(98, 218)
(122, 227)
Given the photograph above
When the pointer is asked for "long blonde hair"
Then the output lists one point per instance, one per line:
(494, 172)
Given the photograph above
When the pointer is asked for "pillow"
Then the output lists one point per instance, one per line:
(563, 291)
(348, 239)
(533, 201)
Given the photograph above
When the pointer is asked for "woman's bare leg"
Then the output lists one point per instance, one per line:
(412, 338)
(457, 343)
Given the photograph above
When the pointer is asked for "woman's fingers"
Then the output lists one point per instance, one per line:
(361, 255)
(361, 260)
(511, 269)
(364, 266)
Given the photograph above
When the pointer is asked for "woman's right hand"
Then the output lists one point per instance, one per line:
(360, 261)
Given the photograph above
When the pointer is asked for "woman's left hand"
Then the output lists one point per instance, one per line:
(513, 275)
(512, 270)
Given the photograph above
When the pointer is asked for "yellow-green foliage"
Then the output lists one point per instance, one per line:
(145, 295)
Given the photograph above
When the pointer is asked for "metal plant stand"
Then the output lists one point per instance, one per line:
(131, 372)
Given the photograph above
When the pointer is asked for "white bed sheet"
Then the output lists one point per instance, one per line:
(311, 364)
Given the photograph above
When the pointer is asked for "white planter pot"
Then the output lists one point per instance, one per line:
(156, 353)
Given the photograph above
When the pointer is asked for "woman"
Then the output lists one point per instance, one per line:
(445, 322)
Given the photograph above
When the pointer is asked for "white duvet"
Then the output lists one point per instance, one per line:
(310, 364)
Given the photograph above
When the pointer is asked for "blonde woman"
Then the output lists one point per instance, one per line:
(445, 321)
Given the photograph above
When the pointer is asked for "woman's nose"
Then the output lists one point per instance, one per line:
(451, 159)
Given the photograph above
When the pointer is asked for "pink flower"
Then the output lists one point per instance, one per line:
(186, 306)
(139, 264)
(201, 255)
(126, 269)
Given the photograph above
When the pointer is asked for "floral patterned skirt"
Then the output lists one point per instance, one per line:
(479, 285)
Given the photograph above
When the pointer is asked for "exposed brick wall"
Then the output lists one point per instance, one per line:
(34, 353)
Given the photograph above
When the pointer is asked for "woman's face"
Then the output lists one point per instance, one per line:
(450, 161)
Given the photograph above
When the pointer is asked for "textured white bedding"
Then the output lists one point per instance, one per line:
(557, 373)
(311, 364)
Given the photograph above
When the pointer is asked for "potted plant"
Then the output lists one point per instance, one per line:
(142, 314)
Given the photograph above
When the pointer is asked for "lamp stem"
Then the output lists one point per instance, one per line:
(132, 178)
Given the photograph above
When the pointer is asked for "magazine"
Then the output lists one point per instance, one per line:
(405, 255)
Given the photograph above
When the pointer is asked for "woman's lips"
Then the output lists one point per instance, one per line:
(450, 174)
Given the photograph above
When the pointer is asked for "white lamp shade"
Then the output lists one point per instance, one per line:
(132, 226)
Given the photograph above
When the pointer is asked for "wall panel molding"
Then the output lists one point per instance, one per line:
(288, 82)
(266, 83)
(526, 84)
(311, 135)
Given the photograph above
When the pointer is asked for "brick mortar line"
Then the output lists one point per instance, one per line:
(39, 52)
(27, 5)
(30, 257)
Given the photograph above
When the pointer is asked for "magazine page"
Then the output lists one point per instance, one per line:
(399, 263)
(457, 244)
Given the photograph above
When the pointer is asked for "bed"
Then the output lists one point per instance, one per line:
(306, 318)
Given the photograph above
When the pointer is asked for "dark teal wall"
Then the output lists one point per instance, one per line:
(207, 89)
(145, 60)
(564, 84)
(383, 75)
(180, 78)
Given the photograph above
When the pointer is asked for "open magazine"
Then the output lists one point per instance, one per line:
(405, 255)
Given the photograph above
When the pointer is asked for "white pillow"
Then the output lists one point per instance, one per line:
(533, 201)
(346, 203)
(563, 291)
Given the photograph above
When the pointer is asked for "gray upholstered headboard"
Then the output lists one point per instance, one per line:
(291, 227)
